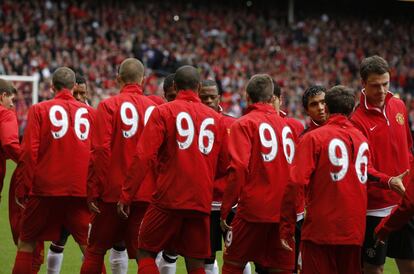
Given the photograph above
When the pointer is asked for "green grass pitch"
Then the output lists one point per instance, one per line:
(72, 255)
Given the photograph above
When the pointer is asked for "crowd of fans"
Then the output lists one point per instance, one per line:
(227, 44)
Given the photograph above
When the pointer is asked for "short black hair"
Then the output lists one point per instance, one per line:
(7, 87)
(373, 65)
(277, 91)
(80, 79)
(260, 88)
(310, 92)
(187, 77)
(209, 83)
(340, 99)
(63, 77)
(168, 82)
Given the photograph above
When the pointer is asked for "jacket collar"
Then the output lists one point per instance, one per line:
(368, 106)
(261, 107)
(64, 94)
(132, 88)
(339, 119)
(188, 95)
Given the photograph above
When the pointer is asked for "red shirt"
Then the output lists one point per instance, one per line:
(401, 214)
(9, 140)
(333, 163)
(181, 139)
(390, 139)
(220, 180)
(119, 125)
(297, 130)
(56, 147)
(259, 170)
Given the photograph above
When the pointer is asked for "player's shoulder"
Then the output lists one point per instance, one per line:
(397, 103)
(6, 114)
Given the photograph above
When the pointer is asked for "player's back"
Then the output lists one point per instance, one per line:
(187, 158)
(120, 122)
(336, 194)
(268, 169)
(57, 146)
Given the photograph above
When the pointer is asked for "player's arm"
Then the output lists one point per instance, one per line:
(409, 138)
(9, 138)
(29, 155)
(400, 215)
(223, 161)
(385, 181)
(100, 153)
(146, 155)
(300, 173)
(239, 150)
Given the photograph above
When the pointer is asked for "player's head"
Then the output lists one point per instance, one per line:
(63, 78)
(80, 91)
(277, 92)
(209, 94)
(313, 101)
(340, 100)
(168, 87)
(131, 71)
(7, 94)
(260, 89)
(375, 77)
(187, 78)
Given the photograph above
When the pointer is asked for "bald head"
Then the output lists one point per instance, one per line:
(131, 71)
(63, 78)
(260, 88)
(187, 77)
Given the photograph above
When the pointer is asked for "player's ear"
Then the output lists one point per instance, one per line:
(119, 80)
(142, 81)
(174, 86)
(198, 87)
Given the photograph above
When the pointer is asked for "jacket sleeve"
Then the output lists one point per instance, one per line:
(100, 151)
(300, 173)
(400, 215)
(9, 135)
(30, 149)
(239, 150)
(145, 157)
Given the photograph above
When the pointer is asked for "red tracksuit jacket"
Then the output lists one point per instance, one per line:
(9, 140)
(224, 159)
(119, 125)
(259, 170)
(181, 138)
(401, 214)
(333, 163)
(390, 144)
(56, 147)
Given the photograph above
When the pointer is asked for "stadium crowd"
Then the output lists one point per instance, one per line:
(228, 45)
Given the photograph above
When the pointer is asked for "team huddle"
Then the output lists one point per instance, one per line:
(151, 180)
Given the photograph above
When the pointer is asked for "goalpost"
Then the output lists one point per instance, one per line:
(34, 79)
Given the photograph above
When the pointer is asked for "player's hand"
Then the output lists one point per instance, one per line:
(19, 203)
(396, 183)
(93, 207)
(285, 244)
(123, 210)
(224, 226)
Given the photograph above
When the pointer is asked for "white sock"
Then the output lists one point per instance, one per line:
(54, 262)
(165, 267)
(247, 269)
(118, 261)
(211, 268)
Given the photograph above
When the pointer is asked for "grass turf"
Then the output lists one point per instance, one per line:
(72, 254)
